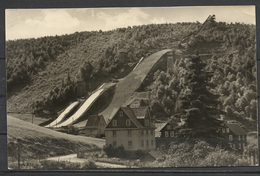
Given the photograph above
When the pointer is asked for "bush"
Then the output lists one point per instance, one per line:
(89, 165)
(199, 154)
(73, 130)
(48, 164)
(118, 152)
(139, 153)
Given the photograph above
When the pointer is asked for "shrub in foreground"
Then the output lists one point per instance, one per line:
(48, 164)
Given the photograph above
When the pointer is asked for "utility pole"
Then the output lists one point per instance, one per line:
(18, 145)
(32, 117)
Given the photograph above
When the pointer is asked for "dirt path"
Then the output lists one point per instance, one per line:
(73, 158)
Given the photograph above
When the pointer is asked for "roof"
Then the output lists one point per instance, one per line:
(155, 154)
(173, 123)
(81, 124)
(140, 112)
(135, 103)
(160, 126)
(236, 129)
(132, 116)
(93, 120)
(113, 113)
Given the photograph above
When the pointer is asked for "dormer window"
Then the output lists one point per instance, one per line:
(114, 122)
(223, 130)
(128, 122)
(146, 122)
(121, 113)
(227, 130)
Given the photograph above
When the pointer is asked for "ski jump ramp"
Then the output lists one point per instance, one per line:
(63, 114)
(127, 86)
(83, 109)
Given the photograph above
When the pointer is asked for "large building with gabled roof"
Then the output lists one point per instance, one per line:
(132, 128)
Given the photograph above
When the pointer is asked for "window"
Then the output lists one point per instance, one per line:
(129, 133)
(166, 134)
(121, 113)
(239, 145)
(114, 122)
(128, 122)
(129, 144)
(243, 137)
(142, 132)
(244, 145)
(230, 138)
(147, 144)
(147, 132)
(227, 130)
(114, 132)
(172, 133)
(239, 137)
(142, 144)
(168, 127)
(152, 143)
(114, 144)
(151, 132)
(146, 122)
(234, 146)
(223, 130)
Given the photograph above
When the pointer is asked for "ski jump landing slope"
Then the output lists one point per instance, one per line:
(127, 86)
(83, 109)
(63, 114)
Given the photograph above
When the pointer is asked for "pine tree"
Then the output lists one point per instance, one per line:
(199, 104)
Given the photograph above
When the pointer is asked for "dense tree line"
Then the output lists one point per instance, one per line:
(27, 59)
(233, 75)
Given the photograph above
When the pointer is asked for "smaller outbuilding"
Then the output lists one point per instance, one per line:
(95, 126)
(235, 135)
(167, 134)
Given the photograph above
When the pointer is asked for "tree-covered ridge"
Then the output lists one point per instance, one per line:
(233, 69)
(38, 66)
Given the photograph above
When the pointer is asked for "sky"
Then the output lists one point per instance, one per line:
(34, 23)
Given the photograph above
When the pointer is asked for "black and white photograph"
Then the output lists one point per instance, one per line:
(131, 87)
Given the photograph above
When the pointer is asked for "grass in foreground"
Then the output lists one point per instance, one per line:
(38, 143)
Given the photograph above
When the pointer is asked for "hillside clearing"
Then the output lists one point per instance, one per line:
(41, 142)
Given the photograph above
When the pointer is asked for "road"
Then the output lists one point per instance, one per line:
(73, 158)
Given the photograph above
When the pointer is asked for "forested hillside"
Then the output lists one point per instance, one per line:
(43, 72)
(233, 69)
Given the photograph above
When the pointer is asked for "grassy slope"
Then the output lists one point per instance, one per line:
(126, 87)
(44, 81)
(42, 141)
